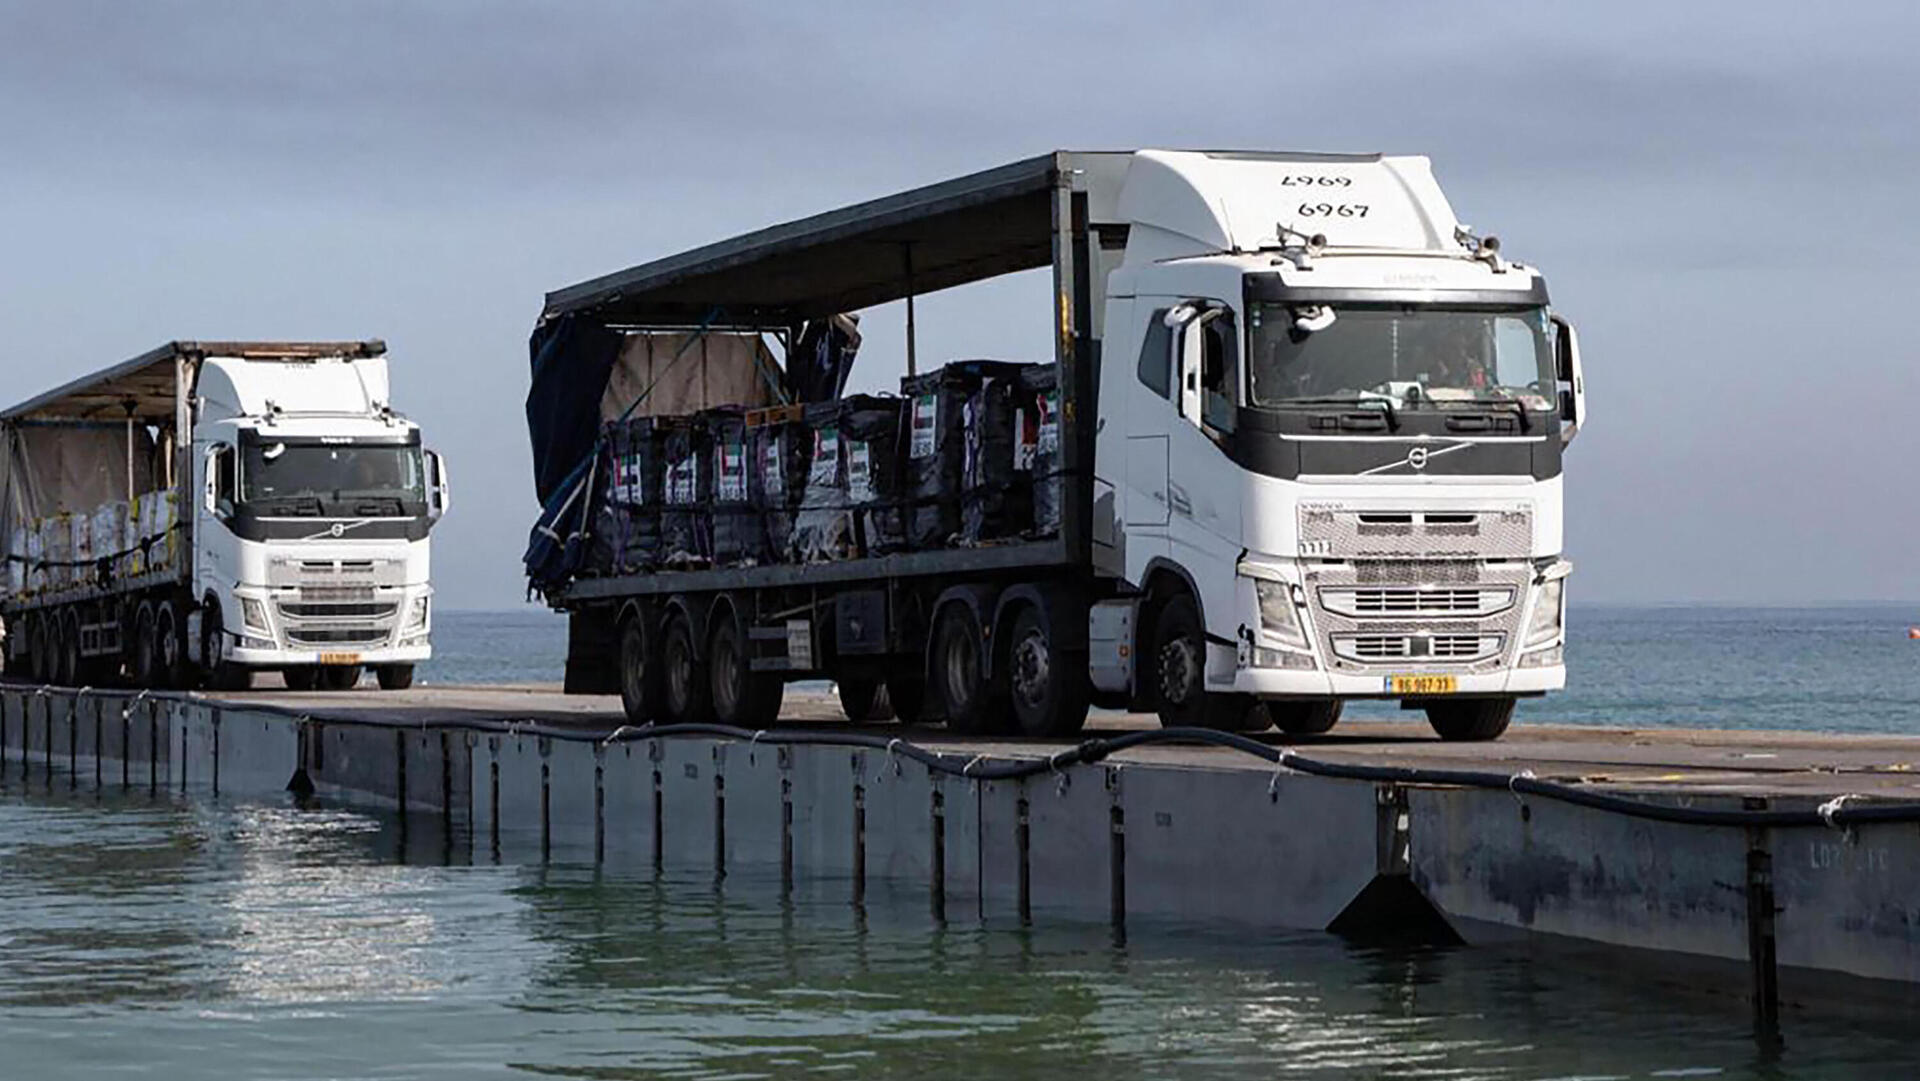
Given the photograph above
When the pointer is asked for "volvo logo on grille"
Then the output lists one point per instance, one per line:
(1417, 458)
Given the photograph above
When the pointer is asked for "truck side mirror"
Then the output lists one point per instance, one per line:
(439, 494)
(1192, 356)
(217, 483)
(1573, 392)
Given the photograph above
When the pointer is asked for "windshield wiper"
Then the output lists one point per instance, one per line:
(1385, 403)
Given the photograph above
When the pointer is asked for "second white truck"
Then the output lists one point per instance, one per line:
(209, 510)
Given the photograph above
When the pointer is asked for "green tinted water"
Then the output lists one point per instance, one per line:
(158, 938)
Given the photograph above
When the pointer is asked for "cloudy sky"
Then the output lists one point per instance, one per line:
(1719, 194)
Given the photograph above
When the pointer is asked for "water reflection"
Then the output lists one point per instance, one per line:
(280, 941)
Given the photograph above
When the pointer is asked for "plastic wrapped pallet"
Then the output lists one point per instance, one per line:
(686, 522)
(17, 560)
(823, 527)
(738, 538)
(779, 448)
(993, 504)
(934, 403)
(80, 549)
(39, 575)
(56, 539)
(111, 522)
(626, 530)
(1038, 454)
(871, 426)
(155, 538)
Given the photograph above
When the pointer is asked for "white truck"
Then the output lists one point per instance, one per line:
(1312, 432)
(207, 510)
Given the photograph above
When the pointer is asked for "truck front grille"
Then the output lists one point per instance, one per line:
(338, 609)
(333, 636)
(1457, 648)
(1416, 601)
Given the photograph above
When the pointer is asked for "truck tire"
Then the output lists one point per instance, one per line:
(145, 667)
(639, 675)
(37, 650)
(339, 677)
(1471, 719)
(1179, 673)
(221, 674)
(741, 696)
(170, 655)
(865, 700)
(1047, 686)
(967, 696)
(69, 650)
(301, 679)
(1305, 718)
(394, 677)
(685, 690)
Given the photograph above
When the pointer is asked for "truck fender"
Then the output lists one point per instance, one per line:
(980, 599)
(1062, 605)
(1160, 566)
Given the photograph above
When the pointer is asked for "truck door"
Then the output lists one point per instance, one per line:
(1205, 488)
(214, 550)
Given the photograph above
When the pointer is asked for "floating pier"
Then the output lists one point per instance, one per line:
(1786, 865)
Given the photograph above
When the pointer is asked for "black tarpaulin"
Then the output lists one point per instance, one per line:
(571, 358)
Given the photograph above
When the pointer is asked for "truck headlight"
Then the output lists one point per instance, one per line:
(253, 613)
(1278, 615)
(1549, 613)
(417, 614)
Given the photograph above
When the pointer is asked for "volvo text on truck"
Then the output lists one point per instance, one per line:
(1298, 440)
(208, 510)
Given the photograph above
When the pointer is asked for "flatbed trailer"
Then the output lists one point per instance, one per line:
(1051, 210)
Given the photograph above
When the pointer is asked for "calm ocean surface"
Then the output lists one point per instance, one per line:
(155, 937)
(1842, 669)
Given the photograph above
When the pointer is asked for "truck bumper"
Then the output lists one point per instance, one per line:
(1289, 683)
(287, 658)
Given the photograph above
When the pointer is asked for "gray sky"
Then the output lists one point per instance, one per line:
(1717, 193)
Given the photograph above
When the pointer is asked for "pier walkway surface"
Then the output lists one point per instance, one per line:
(1779, 867)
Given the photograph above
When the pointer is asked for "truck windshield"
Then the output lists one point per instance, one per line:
(386, 477)
(1415, 356)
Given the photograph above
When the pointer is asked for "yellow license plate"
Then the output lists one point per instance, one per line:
(339, 658)
(1422, 684)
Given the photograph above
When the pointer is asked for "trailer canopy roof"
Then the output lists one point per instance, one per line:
(947, 234)
(143, 387)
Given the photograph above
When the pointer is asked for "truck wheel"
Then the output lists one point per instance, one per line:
(1048, 686)
(960, 674)
(301, 679)
(145, 666)
(741, 697)
(37, 650)
(907, 695)
(1309, 718)
(339, 677)
(394, 677)
(639, 679)
(1180, 669)
(865, 700)
(168, 656)
(683, 677)
(70, 650)
(1471, 719)
(221, 674)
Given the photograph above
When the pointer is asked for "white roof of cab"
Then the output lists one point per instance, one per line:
(1199, 202)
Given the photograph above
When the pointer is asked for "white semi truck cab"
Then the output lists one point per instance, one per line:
(276, 508)
(1336, 416)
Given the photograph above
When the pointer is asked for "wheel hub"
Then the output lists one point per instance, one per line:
(1177, 670)
(1031, 668)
